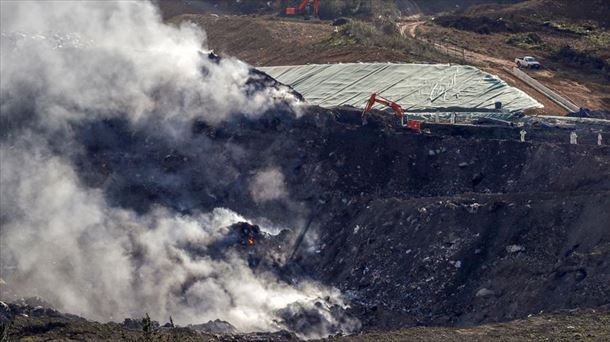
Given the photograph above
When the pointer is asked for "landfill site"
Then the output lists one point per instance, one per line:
(305, 170)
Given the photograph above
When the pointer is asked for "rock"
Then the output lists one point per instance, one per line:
(340, 21)
(5, 312)
(35, 301)
(477, 178)
(132, 324)
(515, 248)
(215, 327)
(483, 292)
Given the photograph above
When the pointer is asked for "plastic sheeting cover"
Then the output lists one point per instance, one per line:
(414, 86)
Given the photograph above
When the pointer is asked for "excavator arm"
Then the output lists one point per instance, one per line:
(398, 111)
(314, 3)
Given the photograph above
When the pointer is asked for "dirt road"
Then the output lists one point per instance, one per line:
(409, 28)
(488, 63)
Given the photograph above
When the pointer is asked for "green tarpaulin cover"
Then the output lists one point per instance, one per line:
(413, 86)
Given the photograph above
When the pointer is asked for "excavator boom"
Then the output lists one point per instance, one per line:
(314, 3)
(398, 111)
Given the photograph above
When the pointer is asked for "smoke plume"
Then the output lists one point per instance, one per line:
(65, 64)
(85, 60)
(268, 185)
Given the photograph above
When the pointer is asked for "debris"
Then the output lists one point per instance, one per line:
(340, 21)
(483, 292)
(515, 248)
(215, 327)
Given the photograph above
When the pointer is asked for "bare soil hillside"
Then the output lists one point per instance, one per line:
(268, 40)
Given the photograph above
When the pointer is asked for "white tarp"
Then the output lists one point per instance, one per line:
(414, 86)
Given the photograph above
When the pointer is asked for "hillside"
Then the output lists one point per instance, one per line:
(268, 40)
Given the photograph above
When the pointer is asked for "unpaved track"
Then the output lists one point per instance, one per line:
(490, 64)
(409, 28)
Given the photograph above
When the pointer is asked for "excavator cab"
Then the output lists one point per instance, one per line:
(306, 8)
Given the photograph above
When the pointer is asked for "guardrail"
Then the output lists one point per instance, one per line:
(553, 96)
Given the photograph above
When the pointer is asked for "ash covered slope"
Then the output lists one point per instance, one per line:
(415, 229)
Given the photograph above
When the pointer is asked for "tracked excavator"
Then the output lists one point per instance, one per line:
(306, 8)
(398, 112)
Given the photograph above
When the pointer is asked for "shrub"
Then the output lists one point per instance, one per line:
(526, 41)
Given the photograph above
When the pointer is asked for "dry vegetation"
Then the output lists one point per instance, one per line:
(581, 325)
(268, 40)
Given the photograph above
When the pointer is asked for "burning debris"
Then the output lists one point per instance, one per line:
(84, 226)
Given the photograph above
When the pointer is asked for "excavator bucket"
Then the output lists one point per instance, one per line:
(414, 125)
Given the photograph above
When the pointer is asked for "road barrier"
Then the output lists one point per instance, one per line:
(551, 95)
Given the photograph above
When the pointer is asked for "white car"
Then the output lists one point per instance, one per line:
(527, 62)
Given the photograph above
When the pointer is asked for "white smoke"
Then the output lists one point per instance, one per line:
(70, 248)
(82, 57)
(267, 185)
(67, 62)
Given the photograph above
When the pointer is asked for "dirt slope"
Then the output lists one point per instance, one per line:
(267, 40)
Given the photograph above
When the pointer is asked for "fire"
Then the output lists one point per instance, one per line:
(250, 241)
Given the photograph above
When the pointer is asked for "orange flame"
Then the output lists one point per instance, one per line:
(250, 241)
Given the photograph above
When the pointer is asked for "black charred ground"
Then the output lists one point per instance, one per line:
(459, 226)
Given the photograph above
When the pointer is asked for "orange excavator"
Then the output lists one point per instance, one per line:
(398, 111)
(305, 8)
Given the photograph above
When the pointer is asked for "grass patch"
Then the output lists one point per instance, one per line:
(380, 33)
(383, 33)
(572, 28)
(565, 326)
(526, 41)
(332, 9)
(600, 38)
(583, 60)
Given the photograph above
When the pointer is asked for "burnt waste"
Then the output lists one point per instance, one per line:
(444, 227)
